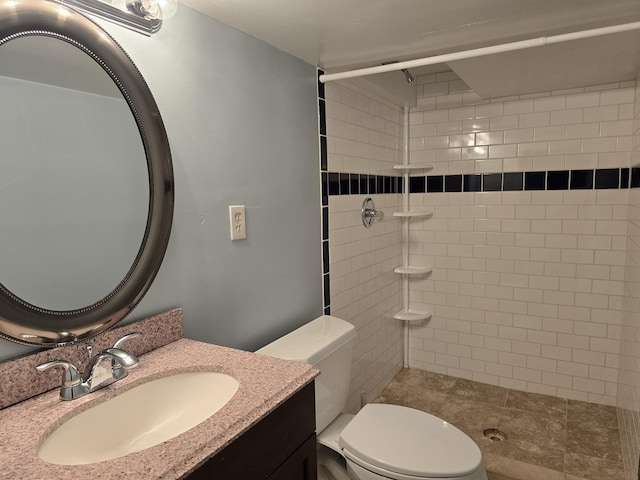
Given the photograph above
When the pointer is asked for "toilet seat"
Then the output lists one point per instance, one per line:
(404, 443)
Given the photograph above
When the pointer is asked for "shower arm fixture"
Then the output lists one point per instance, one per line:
(407, 74)
(479, 52)
(141, 16)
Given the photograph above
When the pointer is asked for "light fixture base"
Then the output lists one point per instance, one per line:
(128, 19)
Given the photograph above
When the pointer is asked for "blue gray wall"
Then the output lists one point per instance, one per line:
(241, 118)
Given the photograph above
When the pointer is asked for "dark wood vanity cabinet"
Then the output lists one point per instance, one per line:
(282, 446)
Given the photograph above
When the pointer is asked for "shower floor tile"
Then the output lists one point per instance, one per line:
(547, 437)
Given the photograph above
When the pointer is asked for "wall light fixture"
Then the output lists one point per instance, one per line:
(142, 16)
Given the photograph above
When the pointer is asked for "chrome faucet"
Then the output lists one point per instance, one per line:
(96, 375)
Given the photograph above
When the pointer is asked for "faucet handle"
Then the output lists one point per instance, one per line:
(72, 384)
(120, 341)
(122, 361)
(70, 377)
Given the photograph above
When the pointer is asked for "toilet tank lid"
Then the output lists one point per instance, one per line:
(312, 342)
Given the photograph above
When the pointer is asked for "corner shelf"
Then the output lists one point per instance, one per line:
(412, 316)
(413, 166)
(414, 214)
(413, 270)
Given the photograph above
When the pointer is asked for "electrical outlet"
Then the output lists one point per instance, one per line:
(237, 222)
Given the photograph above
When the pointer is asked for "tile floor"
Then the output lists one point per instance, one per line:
(548, 438)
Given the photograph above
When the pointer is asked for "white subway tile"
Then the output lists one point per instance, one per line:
(489, 138)
(566, 147)
(471, 98)
(604, 345)
(556, 352)
(616, 128)
(567, 117)
(546, 255)
(475, 125)
(499, 369)
(435, 89)
(601, 114)
(573, 369)
(490, 110)
(500, 344)
(545, 104)
(558, 298)
(579, 100)
(588, 357)
(549, 133)
(518, 106)
(557, 380)
(588, 385)
(448, 101)
(573, 341)
(526, 374)
(504, 123)
(575, 285)
(599, 145)
(470, 153)
(569, 226)
(617, 96)
(462, 140)
(542, 310)
(519, 135)
(583, 130)
(540, 119)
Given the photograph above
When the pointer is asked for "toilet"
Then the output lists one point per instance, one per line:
(382, 441)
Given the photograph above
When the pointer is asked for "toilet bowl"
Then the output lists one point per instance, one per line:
(381, 441)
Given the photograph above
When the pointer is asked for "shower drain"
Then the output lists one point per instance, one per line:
(494, 435)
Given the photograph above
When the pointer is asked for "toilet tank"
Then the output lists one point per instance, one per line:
(327, 344)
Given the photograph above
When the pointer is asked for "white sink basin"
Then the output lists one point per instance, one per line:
(139, 418)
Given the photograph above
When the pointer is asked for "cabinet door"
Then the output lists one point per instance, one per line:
(301, 465)
(267, 446)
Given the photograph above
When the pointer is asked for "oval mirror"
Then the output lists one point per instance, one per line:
(86, 195)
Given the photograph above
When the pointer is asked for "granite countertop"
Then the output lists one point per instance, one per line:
(265, 383)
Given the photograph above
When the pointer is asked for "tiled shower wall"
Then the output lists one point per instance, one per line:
(363, 143)
(528, 267)
(629, 375)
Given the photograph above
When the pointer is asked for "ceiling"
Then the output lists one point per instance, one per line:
(339, 35)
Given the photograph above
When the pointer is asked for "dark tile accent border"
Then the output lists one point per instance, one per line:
(325, 223)
(331, 184)
(558, 180)
(334, 184)
(624, 178)
(435, 183)
(492, 182)
(512, 181)
(320, 85)
(361, 183)
(582, 180)
(472, 183)
(534, 180)
(609, 178)
(635, 177)
(417, 184)
(323, 153)
(453, 183)
(345, 184)
(323, 116)
(599, 179)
